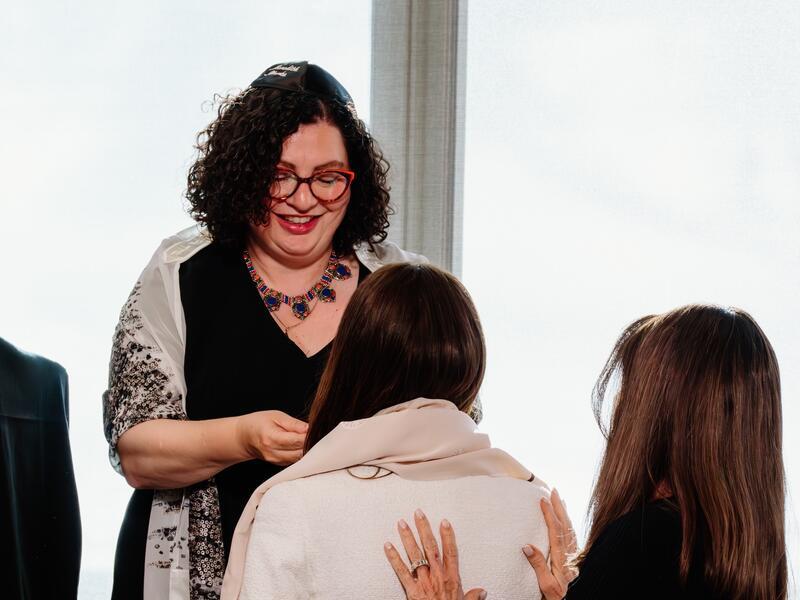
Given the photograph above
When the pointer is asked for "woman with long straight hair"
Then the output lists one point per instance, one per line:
(691, 486)
(689, 499)
(389, 433)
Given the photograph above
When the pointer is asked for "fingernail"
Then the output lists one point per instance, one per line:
(555, 493)
(402, 524)
(446, 524)
(419, 514)
(482, 595)
(387, 546)
(527, 550)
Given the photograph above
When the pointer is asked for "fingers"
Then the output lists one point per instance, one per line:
(566, 545)
(265, 438)
(286, 440)
(449, 549)
(284, 458)
(554, 532)
(400, 568)
(429, 544)
(571, 541)
(409, 541)
(559, 508)
(413, 551)
(551, 588)
(438, 580)
(289, 423)
(451, 573)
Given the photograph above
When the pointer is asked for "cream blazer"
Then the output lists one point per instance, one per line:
(317, 529)
(322, 536)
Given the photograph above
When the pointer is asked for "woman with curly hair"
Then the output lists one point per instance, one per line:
(220, 347)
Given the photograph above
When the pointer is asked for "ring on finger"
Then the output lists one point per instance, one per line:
(422, 562)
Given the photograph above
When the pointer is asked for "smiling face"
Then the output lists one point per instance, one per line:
(301, 227)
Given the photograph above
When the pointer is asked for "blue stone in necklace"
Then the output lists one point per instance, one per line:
(272, 300)
(300, 308)
(342, 271)
(300, 304)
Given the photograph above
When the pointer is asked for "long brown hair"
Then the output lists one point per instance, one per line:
(409, 331)
(697, 411)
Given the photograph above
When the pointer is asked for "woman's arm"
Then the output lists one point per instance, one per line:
(151, 441)
(166, 453)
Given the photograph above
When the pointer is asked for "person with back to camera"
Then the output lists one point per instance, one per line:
(221, 344)
(40, 516)
(388, 430)
(689, 501)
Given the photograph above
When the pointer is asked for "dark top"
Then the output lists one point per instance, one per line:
(237, 361)
(637, 556)
(40, 544)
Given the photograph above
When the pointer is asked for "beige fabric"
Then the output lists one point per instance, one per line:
(423, 440)
(322, 537)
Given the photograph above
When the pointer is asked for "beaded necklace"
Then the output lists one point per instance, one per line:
(322, 290)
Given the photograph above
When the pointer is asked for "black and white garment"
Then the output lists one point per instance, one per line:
(194, 341)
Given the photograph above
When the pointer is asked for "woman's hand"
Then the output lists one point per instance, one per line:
(273, 436)
(554, 579)
(169, 454)
(440, 580)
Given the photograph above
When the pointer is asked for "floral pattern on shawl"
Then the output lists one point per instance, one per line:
(205, 541)
(141, 388)
(167, 540)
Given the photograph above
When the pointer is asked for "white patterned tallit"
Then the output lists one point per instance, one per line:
(146, 382)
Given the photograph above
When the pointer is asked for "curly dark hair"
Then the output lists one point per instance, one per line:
(238, 152)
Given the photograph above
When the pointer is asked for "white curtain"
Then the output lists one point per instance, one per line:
(417, 116)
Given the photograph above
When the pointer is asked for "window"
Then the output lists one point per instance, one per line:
(623, 159)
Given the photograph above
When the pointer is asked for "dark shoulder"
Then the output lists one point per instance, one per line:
(654, 530)
(638, 551)
(212, 258)
(651, 532)
(12, 358)
(210, 274)
(31, 385)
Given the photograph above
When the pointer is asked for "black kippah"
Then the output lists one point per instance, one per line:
(303, 77)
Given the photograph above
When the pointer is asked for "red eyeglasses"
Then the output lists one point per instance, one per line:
(326, 186)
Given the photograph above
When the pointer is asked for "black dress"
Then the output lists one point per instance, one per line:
(237, 361)
(637, 557)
